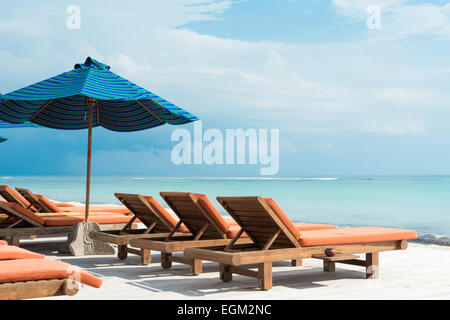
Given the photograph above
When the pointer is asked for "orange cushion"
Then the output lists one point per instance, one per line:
(283, 217)
(110, 209)
(234, 229)
(25, 212)
(162, 211)
(50, 204)
(212, 211)
(19, 198)
(41, 269)
(13, 252)
(3, 243)
(230, 221)
(312, 226)
(354, 235)
(105, 218)
(55, 221)
(63, 204)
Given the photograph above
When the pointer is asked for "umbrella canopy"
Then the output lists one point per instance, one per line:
(88, 96)
(60, 102)
(6, 125)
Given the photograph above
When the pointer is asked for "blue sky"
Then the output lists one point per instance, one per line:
(347, 100)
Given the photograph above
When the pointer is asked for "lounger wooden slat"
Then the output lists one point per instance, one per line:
(11, 196)
(34, 200)
(285, 244)
(205, 231)
(37, 289)
(158, 226)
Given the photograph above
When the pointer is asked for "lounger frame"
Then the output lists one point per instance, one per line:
(27, 227)
(39, 205)
(205, 232)
(274, 242)
(38, 289)
(10, 197)
(157, 227)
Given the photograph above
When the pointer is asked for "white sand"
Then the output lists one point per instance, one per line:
(420, 272)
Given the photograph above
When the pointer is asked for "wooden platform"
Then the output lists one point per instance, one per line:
(405, 275)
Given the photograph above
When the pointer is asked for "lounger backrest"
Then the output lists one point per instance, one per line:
(259, 221)
(10, 195)
(18, 212)
(47, 204)
(34, 200)
(193, 214)
(144, 211)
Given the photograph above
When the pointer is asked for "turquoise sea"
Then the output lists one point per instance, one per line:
(420, 203)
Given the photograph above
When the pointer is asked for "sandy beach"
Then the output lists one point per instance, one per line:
(420, 272)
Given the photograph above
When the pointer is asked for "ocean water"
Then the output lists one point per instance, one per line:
(419, 203)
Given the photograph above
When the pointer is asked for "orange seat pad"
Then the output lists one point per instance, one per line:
(233, 230)
(50, 204)
(13, 252)
(74, 219)
(112, 209)
(41, 269)
(63, 204)
(25, 212)
(166, 215)
(299, 226)
(3, 243)
(354, 235)
(215, 215)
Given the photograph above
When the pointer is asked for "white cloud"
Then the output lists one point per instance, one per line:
(297, 87)
(397, 128)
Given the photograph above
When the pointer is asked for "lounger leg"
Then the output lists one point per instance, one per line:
(265, 275)
(15, 241)
(166, 261)
(225, 274)
(146, 256)
(329, 266)
(196, 267)
(122, 252)
(372, 265)
(297, 262)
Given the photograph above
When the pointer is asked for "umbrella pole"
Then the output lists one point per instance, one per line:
(90, 102)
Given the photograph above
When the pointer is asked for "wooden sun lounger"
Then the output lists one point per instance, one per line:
(34, 200)
(274, 240)
(152, 215)
(41, 204)
(12, 196)
(206, 232)
(37, 289)
(28, 224)
(37, 278)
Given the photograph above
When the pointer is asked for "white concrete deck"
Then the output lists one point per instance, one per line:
(420, 272)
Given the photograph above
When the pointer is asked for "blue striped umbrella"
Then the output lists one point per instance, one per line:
(88, 96)
(6, 125)
(26, 124)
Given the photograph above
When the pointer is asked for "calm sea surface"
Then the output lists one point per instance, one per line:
(420, 203)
